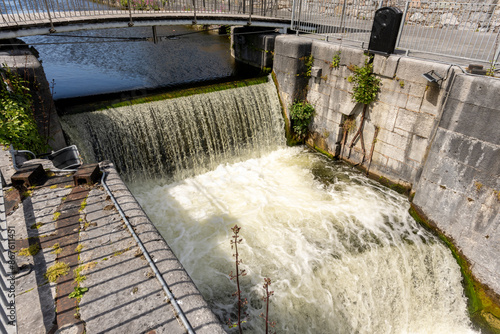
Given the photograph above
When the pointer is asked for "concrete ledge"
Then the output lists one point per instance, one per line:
(180, 284)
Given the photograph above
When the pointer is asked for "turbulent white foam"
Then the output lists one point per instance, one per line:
(343, 254)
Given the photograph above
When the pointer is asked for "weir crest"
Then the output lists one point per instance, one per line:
(174, 138)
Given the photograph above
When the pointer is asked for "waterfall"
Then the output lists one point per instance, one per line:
(174, 138)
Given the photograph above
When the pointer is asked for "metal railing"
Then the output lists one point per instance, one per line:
(15, 12)
(346, 19)
(466, 29)
(8, 323)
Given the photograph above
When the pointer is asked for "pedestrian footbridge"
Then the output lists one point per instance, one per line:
(22, 18)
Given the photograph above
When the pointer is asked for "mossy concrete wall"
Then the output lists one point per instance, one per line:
(439, 139)
(459, 190)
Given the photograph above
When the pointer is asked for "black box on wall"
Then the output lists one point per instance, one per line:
(385, 30)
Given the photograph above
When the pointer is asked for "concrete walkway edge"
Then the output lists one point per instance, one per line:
(180, 284)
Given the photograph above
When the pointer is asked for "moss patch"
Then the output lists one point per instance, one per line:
(56, 270)
(484, 312)
(56, 249)
(36, 226)
(404, 190)
(291, 139)
(191, 91)
(329, 155)
(56, 215)
(30, 251)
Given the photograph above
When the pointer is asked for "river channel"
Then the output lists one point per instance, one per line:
(106, 62)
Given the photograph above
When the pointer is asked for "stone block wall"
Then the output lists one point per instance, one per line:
(406, 112)
(253, 49)
(459, 190)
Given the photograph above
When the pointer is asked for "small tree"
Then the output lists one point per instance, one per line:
(239, 272)
(267, 283)
(365, 90)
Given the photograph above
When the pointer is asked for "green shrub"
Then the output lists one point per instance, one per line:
(301, 114)
(366, 84)
(335, 60)
(17, 124)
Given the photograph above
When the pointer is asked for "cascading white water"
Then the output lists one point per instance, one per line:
(183, 135)
(343, 253)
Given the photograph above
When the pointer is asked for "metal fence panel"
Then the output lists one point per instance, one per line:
(468, 30)
(346, 19)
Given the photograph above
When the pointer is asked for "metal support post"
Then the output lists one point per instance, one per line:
(131, 23)
(155, 35)
(403, 20)
(250, 13)
(299, 17)
(342, 16)
(195, 20)
(52, 29)
(494, 61)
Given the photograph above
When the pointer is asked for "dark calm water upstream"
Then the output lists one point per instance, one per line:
(81, 69)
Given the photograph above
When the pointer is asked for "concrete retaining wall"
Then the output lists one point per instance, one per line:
(253, 48)
(459, 190)
(442, 140)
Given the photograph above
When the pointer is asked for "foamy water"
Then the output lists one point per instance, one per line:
(343, 254)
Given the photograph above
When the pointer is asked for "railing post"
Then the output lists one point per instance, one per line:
(194, 8)
(298, 20)
(403, 20)
(292, 21)
(494, 61)
(250, 13)
(342, 16)
(52, 29)
(130, 23)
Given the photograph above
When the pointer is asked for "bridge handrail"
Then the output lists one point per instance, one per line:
(18, 12)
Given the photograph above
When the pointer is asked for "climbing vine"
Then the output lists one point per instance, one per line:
(335, 60)
(308, 63)
(365, 90)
